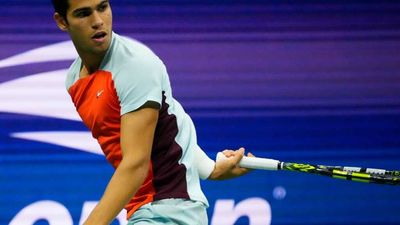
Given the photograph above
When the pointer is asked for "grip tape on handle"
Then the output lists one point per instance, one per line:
(254, 162)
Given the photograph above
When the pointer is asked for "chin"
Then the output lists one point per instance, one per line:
(102, 48)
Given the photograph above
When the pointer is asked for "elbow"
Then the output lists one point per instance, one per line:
(137, 168)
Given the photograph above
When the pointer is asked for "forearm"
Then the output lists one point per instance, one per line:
(137, 133)
(122, 187)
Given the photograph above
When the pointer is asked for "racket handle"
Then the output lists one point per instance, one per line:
(254, 162)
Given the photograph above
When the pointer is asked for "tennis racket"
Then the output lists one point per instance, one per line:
(367, 175)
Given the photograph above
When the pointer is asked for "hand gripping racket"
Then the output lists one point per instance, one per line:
(367, 175)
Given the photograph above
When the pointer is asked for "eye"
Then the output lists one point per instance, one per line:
(83, 13)
(103, 7)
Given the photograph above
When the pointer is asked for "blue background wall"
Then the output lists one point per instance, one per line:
(297, 81)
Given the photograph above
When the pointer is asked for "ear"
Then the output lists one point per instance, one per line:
(61, 22)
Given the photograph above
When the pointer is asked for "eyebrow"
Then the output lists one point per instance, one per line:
(76, 11)
(88, 8)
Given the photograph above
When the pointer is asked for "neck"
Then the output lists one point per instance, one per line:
(91, 61)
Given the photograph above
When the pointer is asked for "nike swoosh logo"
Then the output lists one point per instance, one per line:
(47, 53)
(61, 106)
(83, 140)
(99, 93)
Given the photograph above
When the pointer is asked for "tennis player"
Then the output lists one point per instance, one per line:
(122, 92)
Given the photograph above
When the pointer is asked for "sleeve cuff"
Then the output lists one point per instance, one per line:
(205, 165)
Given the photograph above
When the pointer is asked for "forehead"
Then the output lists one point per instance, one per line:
(77, 4)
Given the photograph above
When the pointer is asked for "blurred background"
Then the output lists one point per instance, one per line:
(304, 81)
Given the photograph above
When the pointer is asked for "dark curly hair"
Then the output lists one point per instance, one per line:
(61, 7)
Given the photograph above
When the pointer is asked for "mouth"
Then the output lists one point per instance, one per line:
(99, 36)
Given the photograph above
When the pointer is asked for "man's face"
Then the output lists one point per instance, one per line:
(90, 25)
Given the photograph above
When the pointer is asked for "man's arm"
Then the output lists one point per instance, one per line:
(137, 134)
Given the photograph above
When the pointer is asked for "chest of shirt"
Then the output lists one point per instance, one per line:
(96, 101)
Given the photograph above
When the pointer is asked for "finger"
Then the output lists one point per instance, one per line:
(249, 154)
(228, 153)
(239, 171)
(238, 156)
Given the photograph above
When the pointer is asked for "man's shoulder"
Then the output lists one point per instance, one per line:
(72, 73)
(131, 50)
(132, 55)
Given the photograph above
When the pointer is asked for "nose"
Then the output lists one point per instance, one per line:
(97, 20)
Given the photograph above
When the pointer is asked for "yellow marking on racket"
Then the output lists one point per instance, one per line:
(361, 175)
(339, 174)
(304, 167)
(360, 180)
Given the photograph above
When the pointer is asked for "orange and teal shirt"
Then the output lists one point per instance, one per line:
(129, 76)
